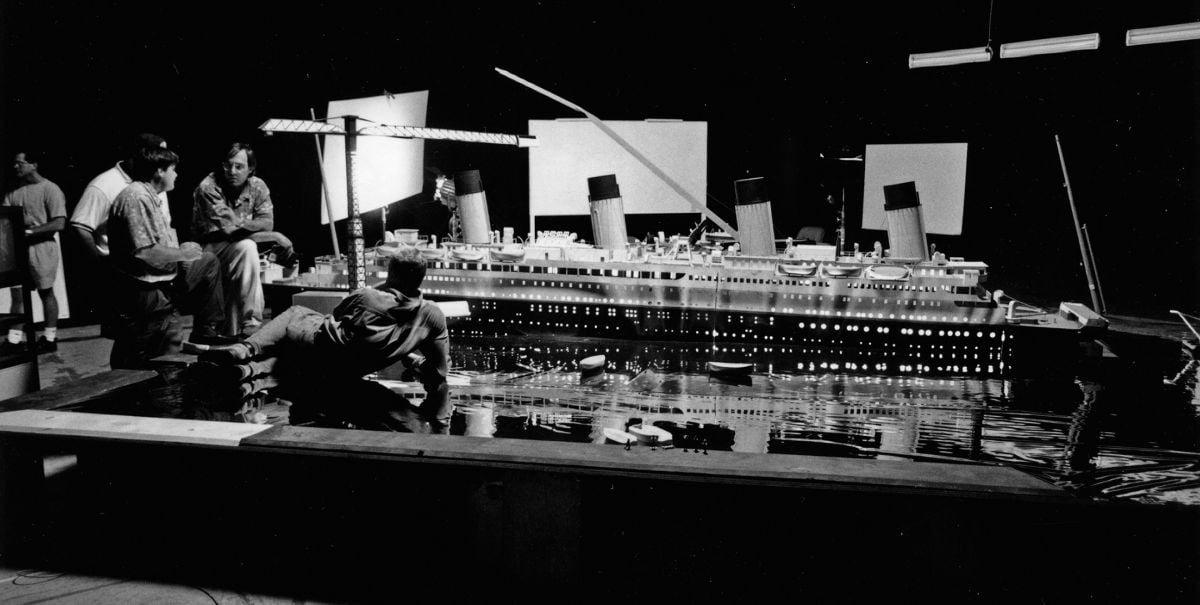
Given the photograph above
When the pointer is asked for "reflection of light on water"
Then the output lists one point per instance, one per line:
(479, 421)
(536, 392)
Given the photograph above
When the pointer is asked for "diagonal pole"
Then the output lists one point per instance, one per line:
(1083, 252)
(325, 189)
(697, 204)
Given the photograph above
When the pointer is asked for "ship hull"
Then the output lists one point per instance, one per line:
(812, 342)
(936, 325)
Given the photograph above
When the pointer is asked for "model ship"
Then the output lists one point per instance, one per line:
(911, 312)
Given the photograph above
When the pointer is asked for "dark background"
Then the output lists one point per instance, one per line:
(778, 85)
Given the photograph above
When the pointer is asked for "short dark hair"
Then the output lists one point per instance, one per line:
(251, 161)
(406, 269)
(148, 161)
(145, 140)
(32, 155)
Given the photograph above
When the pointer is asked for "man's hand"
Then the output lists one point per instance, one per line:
(191, 251)
(412, 368)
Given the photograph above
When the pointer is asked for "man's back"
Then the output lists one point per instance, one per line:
(379, 327)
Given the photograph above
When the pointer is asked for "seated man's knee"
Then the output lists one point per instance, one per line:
(245, 248)
(208, 265)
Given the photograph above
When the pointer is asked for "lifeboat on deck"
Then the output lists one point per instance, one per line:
(509, 254)
(888, 273)
(466, 254)
(431, 253)
(801, 270)
(834, 270)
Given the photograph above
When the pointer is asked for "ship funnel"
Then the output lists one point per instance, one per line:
(754, 221)
(472, 208)
(905, 223)
(608, 211)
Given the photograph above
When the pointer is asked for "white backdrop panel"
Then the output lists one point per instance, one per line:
(571, 151)
(940, 172)
(389, 169)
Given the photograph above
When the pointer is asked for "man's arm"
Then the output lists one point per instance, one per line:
(89, 241)
(212, 218)
(90, 213)
(160, 254)
(55, 225)
(255, 225)
(142, 220)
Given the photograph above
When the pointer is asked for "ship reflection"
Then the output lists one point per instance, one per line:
(536, 389)
(1095, 435)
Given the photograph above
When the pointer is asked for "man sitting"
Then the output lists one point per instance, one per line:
(369, 330)
(232, 213)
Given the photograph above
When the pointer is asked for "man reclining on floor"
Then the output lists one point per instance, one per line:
(317, 357)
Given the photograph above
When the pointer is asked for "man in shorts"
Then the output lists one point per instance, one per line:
(45, 210)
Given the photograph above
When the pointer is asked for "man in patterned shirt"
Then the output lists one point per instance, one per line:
(205, 297)
(146, 256)
(232, 212)
(45, 210)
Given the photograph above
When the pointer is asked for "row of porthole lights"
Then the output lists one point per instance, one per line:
(849, 328)
(773, 309)
(943, 333)
(718, 334)
(823, 326)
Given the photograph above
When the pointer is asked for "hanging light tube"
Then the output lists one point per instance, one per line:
(1046, 46)
(980, 54)
(1165, 33)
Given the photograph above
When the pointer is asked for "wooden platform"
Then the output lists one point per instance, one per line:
(960, 480)
(250, 509)
(89, 389)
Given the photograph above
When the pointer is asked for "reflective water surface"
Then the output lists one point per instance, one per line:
(1105, 432)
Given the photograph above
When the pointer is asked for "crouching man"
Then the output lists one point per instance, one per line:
(369, 330)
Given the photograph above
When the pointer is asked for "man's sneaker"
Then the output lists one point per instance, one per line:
(45, 346)
(208, 335)
(193, 348)
(11, 348)
(235, 353)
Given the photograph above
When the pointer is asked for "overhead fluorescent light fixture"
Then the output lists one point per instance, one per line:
(981, 54)
(1047, 46)
(1165, 33)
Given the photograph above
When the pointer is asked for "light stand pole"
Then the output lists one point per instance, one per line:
(355, 261)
